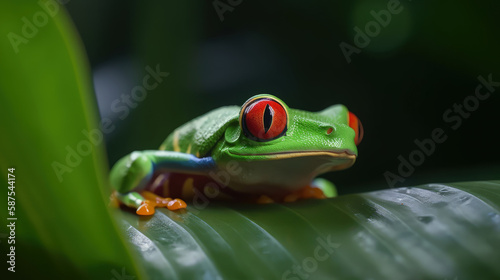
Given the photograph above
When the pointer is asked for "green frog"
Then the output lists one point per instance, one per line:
(262, 151)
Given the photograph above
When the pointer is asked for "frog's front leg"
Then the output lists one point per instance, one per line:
(130, 175)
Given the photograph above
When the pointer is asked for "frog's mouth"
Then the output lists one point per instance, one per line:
(344, 154)
(343, 159)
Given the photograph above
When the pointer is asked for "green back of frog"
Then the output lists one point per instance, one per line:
(198, 136)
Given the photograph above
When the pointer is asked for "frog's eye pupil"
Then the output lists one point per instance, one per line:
(268, 118)
(263, 119)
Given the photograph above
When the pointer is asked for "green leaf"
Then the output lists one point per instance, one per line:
(63, 225)
(432, 231)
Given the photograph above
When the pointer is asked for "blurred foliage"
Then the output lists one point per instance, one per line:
(63, 228)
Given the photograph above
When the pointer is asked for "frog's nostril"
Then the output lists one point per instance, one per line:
(329, 131)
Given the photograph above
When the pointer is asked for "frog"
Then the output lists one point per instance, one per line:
(261, 152)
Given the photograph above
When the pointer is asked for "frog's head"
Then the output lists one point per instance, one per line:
(273, 141)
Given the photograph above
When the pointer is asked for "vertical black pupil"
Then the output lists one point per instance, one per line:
(268, 118)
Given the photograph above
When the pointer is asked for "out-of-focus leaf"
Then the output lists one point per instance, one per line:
(63, 228)
(432, 231)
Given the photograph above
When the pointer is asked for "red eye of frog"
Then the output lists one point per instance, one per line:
(263, 119)
(355, 124)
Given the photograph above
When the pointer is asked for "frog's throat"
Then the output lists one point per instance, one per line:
(283, 155)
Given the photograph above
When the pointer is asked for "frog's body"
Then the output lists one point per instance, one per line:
(263, 149)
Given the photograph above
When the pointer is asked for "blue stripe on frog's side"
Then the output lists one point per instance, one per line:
(134, 171)
(181, 162)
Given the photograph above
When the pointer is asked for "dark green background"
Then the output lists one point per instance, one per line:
(427, 59)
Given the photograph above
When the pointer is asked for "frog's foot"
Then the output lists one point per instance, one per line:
(145, 202)
(264, 199)
(312, 192)
(292, 197)
(154, 200)
(307, 192)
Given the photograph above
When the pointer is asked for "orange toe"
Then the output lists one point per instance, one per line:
(312, 192)
(291, 197)
(145, 209)
(264, 199)
(176, 204)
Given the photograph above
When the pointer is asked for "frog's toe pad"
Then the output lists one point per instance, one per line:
(312, 192)
(264, 199)
(291, 197)
(175, 204)
(146, 209)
